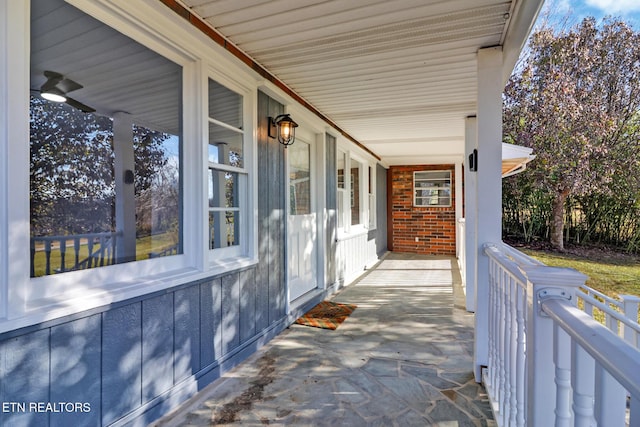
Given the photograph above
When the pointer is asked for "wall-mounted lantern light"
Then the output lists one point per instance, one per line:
(283, 128)
(473, 161)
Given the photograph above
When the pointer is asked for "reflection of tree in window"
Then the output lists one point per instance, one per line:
(71, 170)
(157, 188)
(72, 185)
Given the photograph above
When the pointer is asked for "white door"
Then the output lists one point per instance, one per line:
(302, 232)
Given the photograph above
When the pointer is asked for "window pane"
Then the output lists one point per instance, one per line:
(432, 188)
(225, 146)
(84, 214)
(356, 167)
(299, 179)
(157, 192)
(223, 189)
(341, 162)
(225, 105)
(224, 229)
(341, 208)
(72, 188)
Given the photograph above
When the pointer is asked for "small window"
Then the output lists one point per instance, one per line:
(300, 179)
(342, 191)
(356, 188)
(372, 199)
(227, 174)
(432, 188)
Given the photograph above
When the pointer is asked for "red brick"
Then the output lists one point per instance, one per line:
(435, 227)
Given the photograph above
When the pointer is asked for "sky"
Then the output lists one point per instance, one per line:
(576, 10)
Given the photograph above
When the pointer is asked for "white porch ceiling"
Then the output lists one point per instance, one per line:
(399, 76)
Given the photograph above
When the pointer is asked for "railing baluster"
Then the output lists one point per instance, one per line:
(521, 362)
(611, 323)
(611, 399)
(101, 251)
(63, 251)
(90, 249)
(76, 248)
(582, 381)
(513, 349)
(502, 389)
(588, 307)
(562, 360)
(112, 259)
(47, 254)
(491, 375)
(506, 279)
(33, 258)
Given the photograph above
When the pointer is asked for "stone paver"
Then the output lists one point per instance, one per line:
(403, 358)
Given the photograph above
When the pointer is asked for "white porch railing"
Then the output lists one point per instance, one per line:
(100, 250)
(551, 364)
(620, 316)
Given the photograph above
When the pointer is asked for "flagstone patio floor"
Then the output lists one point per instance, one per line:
(403, 358)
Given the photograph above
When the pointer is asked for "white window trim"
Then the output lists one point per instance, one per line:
(22, 299)
(372, 197)
(246, 253)
(352, 152)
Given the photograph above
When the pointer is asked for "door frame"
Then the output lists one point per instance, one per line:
(316, 140)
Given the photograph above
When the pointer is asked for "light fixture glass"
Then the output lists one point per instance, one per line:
(285, 129)
(54, 95)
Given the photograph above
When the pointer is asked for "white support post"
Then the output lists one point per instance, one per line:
(489, 188)
(14, 157)
(124, 167)
(470, 214)
(630, 305)
(458, 203)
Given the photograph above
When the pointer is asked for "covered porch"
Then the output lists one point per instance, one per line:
(376, 87)
(403, 357)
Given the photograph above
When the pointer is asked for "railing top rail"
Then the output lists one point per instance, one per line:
(616, 356)
(590, 292)
(519, 257)
(604, 307)
(78, 236)
(497, 253)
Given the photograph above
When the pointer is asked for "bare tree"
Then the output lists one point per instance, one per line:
(575, 99)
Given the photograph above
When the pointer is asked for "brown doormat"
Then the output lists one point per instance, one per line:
(327, 315)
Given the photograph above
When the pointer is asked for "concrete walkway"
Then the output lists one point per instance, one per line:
(403, 358)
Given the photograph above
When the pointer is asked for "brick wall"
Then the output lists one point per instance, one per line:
(435, 227)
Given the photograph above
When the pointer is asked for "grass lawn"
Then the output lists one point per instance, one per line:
(611, 273)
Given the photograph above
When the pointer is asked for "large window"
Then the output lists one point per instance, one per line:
(432, 188)
(105, 186)
(228, 175)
